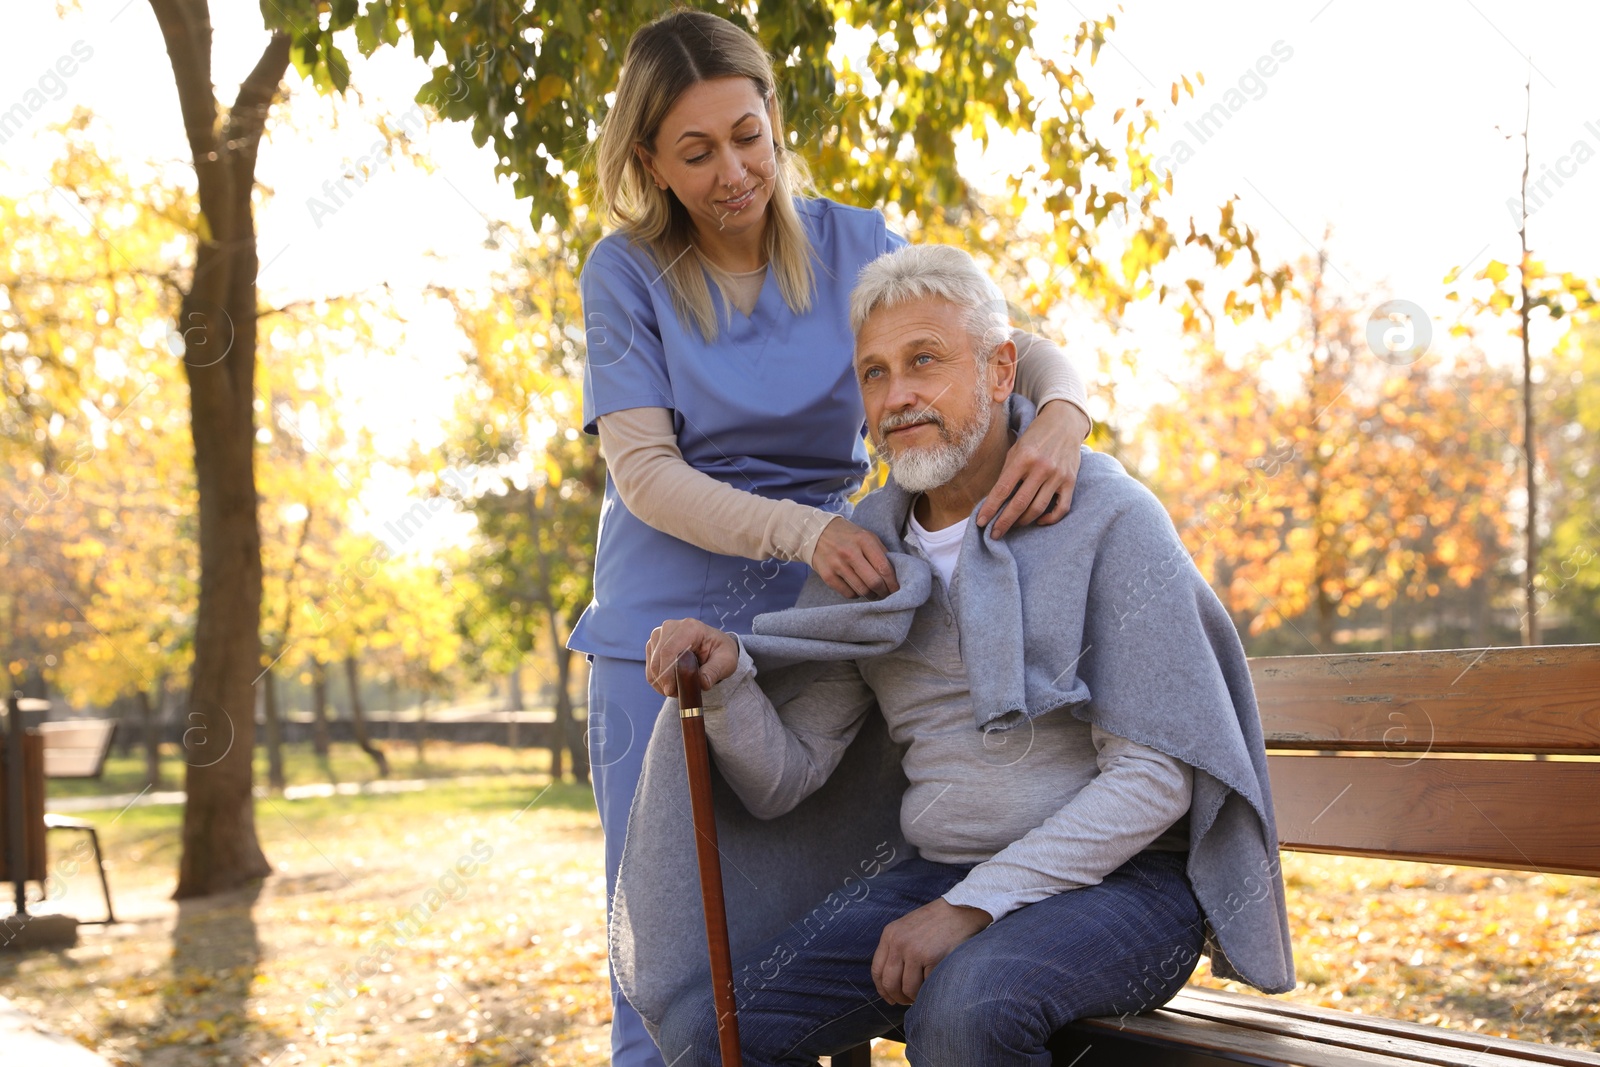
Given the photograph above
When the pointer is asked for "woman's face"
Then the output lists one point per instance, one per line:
(714, 151)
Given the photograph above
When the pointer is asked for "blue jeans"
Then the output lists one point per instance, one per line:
(1126, 945)
(622, 713)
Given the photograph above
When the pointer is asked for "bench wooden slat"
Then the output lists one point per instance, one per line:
(1198, 1000)
(1521, 815)
(1504, 700)
(1086, 1044)
(76, 748)
(1326, 1033)
(1222, 1041)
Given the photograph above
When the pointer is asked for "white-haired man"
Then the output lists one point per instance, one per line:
(1050, 877)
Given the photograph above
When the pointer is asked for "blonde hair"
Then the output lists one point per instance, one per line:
(663, 60)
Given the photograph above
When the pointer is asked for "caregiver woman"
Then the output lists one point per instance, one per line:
(720, 381)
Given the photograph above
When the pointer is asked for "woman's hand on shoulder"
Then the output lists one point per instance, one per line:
(852, 561)
(1040, 473)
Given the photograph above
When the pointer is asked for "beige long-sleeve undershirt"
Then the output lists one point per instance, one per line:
(665, 492)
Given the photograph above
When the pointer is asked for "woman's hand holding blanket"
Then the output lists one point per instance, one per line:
(852, 561)
(1041, 472)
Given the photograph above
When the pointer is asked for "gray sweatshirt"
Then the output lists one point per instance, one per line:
(1052, 805)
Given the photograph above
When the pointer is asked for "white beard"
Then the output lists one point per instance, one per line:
(917, 470)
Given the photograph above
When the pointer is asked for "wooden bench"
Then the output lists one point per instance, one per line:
(76, 748)
(70, 748)
(1424, 756)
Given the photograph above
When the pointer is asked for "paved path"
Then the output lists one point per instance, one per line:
(25, 1042)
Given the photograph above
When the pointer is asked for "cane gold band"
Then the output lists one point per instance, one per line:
(689, 713)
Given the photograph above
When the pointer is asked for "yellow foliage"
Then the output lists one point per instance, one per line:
(1362, 482)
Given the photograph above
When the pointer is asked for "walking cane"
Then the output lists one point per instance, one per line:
(705, 842)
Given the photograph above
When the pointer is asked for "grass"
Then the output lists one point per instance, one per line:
(508, 964)
(146, 836)
(1505, 953)
(126, 774)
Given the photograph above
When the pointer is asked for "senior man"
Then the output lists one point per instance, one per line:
(1084, 800)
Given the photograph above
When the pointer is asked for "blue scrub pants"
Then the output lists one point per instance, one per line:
(622, 713)
(1126, 945)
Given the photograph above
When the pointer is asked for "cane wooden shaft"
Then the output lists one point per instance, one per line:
(698, 758)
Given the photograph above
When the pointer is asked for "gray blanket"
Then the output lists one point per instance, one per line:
(1102, 616)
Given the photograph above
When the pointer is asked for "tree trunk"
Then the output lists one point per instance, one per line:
(513, 705)
(275, 779)
(338, 706)
(558, 745)
(150, 712)
(1480, 595)
(273, 719)
(358, 716)
(558, 734)
(1321, 524)
(216, 333)
(577, 734)
(319, 708)
(123, 710)
(568, 730)
(1530, 572)
(422, 731)
(1530, 631)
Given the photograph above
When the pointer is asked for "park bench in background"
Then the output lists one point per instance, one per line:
(1426, 756)
(71, 748)
(76, 748)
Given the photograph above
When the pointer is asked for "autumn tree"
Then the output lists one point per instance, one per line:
(336, 596)
(312, 472)
(97, 544)
(1359, 482)
(87, 439)
(137, 567)
(82, 280)
(375, 611)
(1569, 577)
(217, 326)
(370, 608)
(521, 466)
(533, 82)
(214, 333)
(1532, 296)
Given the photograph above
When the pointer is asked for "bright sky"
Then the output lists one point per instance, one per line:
(1386, 121)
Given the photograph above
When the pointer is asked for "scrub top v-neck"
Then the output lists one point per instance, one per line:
(742, 287)
(770, 407)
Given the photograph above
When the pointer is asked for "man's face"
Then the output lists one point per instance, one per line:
(928, 405)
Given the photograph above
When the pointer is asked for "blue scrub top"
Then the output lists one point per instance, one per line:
(770, 407)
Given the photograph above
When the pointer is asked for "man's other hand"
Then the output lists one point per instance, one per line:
(717, 652)
(914, 943)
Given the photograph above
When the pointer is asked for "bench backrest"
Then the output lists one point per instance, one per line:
(1431, 756)
(76, 748)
